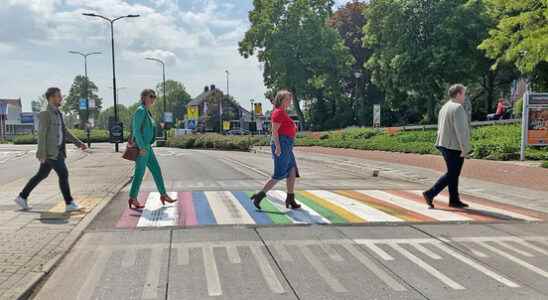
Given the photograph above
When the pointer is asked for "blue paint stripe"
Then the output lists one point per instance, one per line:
(258, 217)
(204, 214)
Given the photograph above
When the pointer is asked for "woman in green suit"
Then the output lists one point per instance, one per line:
(144, 132)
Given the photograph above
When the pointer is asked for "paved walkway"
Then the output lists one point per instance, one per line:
(32, 242)
(534, 178)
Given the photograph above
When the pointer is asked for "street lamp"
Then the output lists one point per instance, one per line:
(252, 114)
(111, 21)
(164, 86)
(86, 89)
(358, 75)
(221, 103)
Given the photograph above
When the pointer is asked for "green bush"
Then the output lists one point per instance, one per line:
(212, 141)
(545, 164)
(96, 136)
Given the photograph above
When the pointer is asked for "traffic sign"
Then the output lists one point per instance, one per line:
(168, 117)
(117, 133)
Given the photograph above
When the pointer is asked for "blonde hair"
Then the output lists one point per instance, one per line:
(281, 96)
(456, 89)
(145, 93)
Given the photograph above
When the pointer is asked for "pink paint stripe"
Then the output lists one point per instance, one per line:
(130, 217)
(187, 215)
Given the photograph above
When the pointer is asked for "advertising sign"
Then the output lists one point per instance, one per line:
(192, 113)
(116, 133)
(191, 124)
(91, 104)
(83, 104)
(27, 118)
(534, 121)
(376, 116)
(258, 109)
(226, 125)
(168, 117)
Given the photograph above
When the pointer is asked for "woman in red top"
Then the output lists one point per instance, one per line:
(284, 131)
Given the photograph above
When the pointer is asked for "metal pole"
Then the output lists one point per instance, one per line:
(165, 99)
(114, 79)
(87, 99)
(524, 128)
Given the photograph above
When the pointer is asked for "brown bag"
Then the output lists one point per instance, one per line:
(132, 152)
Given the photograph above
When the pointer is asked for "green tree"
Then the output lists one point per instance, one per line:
(78, 90)
(422, 46)
(124, 115)
(177, 99)
(299, 50)
(39, 104)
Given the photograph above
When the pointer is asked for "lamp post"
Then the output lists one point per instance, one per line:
(361, 114)
(86, 88)
(252, 114)
(164, 88)
(111, 21)
(221, 103)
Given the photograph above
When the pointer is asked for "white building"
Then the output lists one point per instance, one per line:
(12, 119)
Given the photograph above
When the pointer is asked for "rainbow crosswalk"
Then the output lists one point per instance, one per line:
(318, 207)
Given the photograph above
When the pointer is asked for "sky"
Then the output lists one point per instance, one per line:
(198, 40)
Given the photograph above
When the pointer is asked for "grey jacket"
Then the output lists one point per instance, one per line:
(48, 135)
(453, 128)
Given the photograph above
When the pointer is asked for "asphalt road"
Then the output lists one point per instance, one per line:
(357, 237)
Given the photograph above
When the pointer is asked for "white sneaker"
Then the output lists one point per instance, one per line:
(22, 202)
(73, 206)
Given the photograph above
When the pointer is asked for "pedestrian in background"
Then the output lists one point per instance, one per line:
(284, 131)
(144, 134)
(52, 136)
(453, 141)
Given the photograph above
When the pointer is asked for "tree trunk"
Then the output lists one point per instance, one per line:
(491, 76)
(297, 108)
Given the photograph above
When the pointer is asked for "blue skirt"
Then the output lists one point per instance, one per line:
(286, 161)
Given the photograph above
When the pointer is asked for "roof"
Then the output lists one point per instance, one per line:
(16, 102)
(201, 98)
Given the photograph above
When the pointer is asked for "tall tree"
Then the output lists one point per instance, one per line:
(177, 99)
(299, 51)
(520, 36)
(421, 46)
(39, 104)
(77, 91)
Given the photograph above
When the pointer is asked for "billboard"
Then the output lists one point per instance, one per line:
(192, 113)
(27, 118)
(534, 121)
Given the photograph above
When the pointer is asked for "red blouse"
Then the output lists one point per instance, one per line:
(287, 126)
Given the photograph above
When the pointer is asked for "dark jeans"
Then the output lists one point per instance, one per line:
(451, 178)
(62, 172)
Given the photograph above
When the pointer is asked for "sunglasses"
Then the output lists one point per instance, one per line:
(152, 96)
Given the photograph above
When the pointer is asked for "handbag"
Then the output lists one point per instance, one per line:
(132, 152)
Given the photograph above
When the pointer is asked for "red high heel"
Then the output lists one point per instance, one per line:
(133, 203)
(166, 198)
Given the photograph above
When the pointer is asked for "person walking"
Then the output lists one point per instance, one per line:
(52, 136)
(453, 141)
(284, 131)
(144, 134)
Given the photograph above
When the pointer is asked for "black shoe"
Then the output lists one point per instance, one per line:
(290, 202)
(257, 198)
(429, 200)
(458, 205)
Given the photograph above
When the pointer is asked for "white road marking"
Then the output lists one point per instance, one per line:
(515, 259)
(371, 245)
(227, 209)
(379, 272)
(428, 268)
(152, 282)
(425, 251)
(268, 273)
(128, 259)
(477, 266)
(282, 251)
(94, 275)
(233, 256)
(183, 255)
(420, 208)
(360, 209)
(331, 281)
(331, 252)
(212, 274)
(531, 246)
(512, 248)
(157, 215)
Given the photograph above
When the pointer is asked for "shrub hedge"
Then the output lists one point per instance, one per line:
(96, 136)
(214, 141)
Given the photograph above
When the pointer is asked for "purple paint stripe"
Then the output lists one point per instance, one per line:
(130, 217)
(187, 214)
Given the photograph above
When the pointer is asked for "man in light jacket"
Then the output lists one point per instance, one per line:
(52, 136)
(453, 141)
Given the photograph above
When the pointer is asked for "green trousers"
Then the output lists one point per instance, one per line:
(148, 160)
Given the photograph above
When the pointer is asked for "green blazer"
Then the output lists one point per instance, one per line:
(48, 135)
(143, 128)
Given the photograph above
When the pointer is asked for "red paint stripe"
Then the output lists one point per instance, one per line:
(187, 214)
(508, 207)
(472, 214)
(130, 217)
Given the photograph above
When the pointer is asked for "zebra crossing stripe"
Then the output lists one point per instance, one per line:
(157, 215)
(520, 210)
(515, 259)
(305, 212)
(296, 215)
(187, 214)
(258, 217)
(130, 217)
(388, 208)
(326, 213)
(343, 213)
(269, 209)
(204, 213)
(226, 209)
(366, 212)
(475, 215)
(420, 208)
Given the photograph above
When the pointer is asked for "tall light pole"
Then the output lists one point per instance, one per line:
(252, 115)
(221, 103)
(164, 87)
(86, 89)
(111, 21)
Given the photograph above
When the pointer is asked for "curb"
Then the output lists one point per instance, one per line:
(67, 244)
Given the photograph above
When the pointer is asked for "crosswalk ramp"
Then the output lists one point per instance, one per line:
(318, 207)
(465, 268)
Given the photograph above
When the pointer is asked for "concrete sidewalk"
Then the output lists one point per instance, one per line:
(33, 242)
(505, 182)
